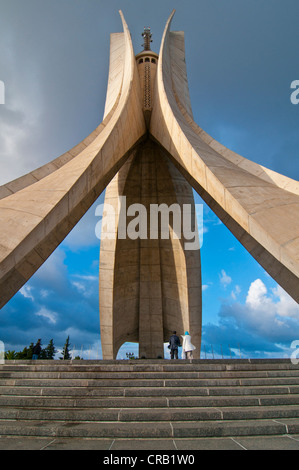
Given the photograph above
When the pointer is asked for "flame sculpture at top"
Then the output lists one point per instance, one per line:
(148, 149)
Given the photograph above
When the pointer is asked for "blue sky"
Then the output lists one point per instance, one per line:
(241, 59)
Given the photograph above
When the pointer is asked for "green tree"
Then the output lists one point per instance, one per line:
(10, 355)
(30, 351)
(66, 351)
(49, 351)
(26, 353)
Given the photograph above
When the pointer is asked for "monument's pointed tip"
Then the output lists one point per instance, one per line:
(125, 26)
(122, 16)
(170, 18)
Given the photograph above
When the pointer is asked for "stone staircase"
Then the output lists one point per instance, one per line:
(148, 399)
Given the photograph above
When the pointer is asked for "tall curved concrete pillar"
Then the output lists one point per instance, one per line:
(259, 206)
(39, 209)
(148, 150)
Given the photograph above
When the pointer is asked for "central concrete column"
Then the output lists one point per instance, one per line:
(150, 302)
(150, 298)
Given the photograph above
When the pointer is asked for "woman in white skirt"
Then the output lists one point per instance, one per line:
(187, 346)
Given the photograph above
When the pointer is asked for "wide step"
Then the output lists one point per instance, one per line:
(149, 414)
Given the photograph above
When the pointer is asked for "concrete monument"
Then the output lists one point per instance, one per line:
(148, 151)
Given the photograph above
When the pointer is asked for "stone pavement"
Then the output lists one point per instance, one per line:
(287, 442)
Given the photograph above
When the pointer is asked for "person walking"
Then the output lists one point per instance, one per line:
(36, 350)
(174, 344)
(188, 347)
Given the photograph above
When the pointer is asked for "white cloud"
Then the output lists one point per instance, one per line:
(269, 316)
(85, 285)
(83, 234)
(26, 292)
(236, 292)
(86, 278)
(257, 296)
(225, 280)
(79, 286)
(44, 293)
(286, 306)
(52, 275)
(265, 325)
(50, 316)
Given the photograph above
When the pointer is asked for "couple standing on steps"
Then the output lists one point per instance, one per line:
(175, 343)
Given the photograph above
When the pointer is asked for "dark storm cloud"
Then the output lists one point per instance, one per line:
(51, 305)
